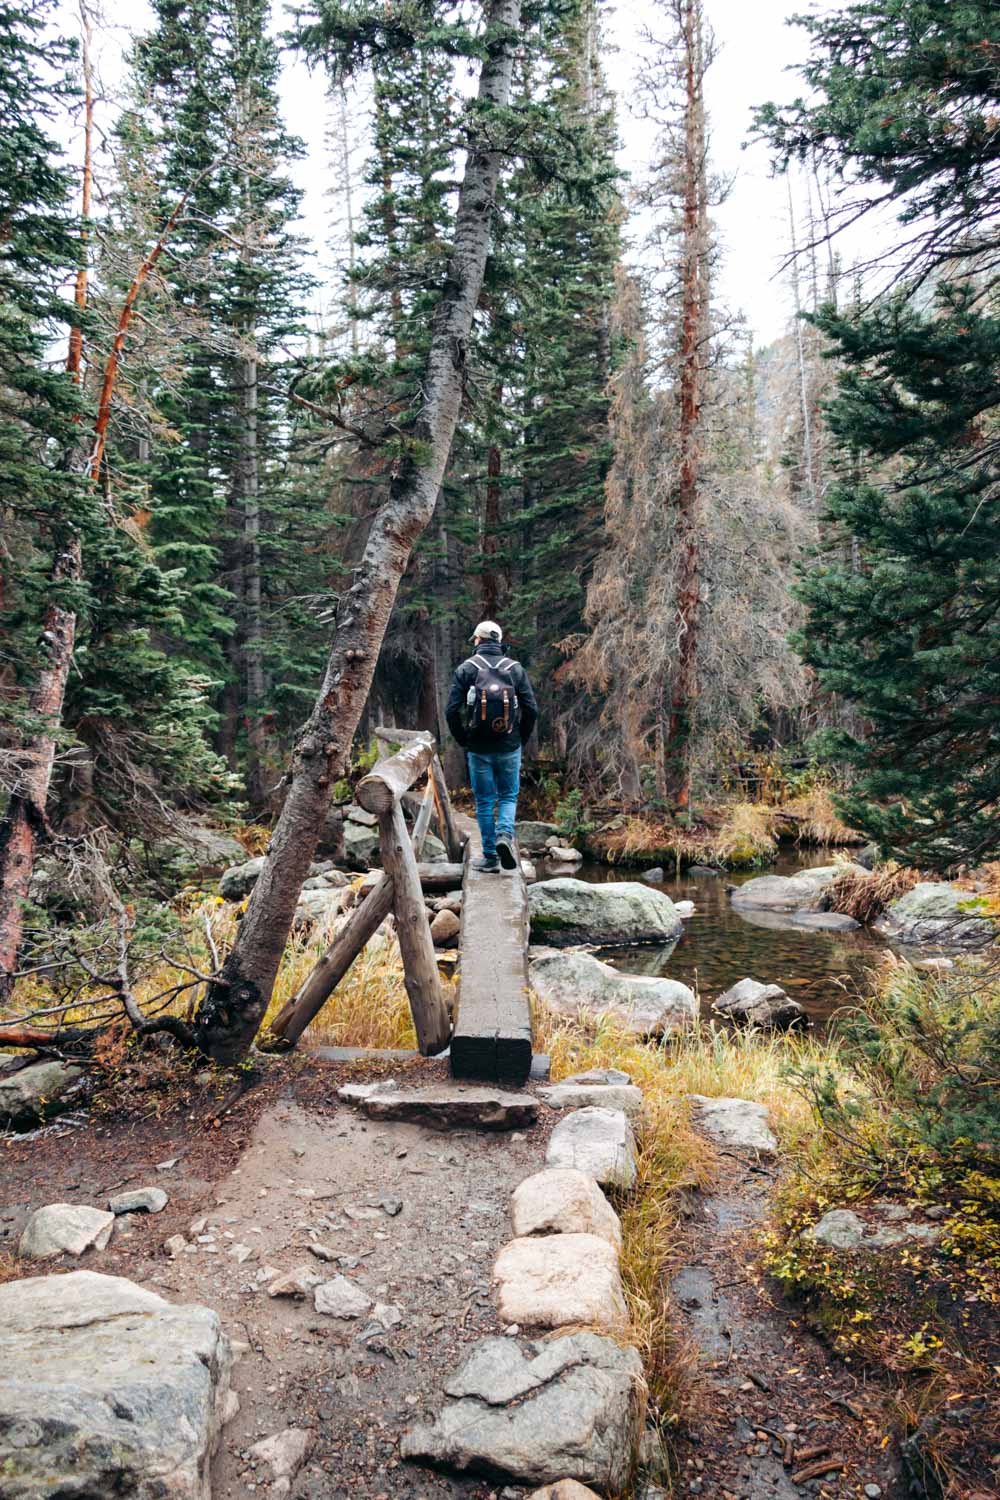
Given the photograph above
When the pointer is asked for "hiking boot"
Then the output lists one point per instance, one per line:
(506, 852)
(487, 863)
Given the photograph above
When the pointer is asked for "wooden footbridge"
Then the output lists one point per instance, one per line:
(490, 1037)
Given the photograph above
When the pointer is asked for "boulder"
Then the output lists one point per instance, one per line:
(891, 1225)
(107, 1389)
(321, 905)
(563, 1200)
(567, 911)
(736, 1122)
(596, 1141)
(584, 988)
(341, 1298)
(560, 854)
(571, 1407)
(35, 1093)
(703, 870)
(560, 1280)
(623, 1096)
(655, 876)
(936, 912)
(868, 857)
(802, 891)
(150, 1200)
(533, 837)
(825, 921)
(239, 880)
(566, 1489)
(599, 1075)
(297, 1284)
(445, 928)
(65, 1229)
(445, 1107)
(684, 909)
(284, 1454)
(362, 847)
(195, 849)
(756, 1004)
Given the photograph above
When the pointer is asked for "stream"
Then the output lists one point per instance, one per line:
(823, 971)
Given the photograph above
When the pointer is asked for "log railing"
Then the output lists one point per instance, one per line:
(399, 890)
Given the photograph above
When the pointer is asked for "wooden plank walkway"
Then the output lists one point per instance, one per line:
(492, 1036)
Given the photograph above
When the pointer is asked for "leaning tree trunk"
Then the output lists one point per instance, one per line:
(234, 1006)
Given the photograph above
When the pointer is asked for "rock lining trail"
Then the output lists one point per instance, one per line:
(358, 1265)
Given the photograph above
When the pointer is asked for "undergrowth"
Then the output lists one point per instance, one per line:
(916, 1121)
(864, 895)
(674, 1159)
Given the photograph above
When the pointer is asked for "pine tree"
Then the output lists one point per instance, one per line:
(207, 80)
(562, 253)
(904, 100)
(911, 636)
(41, 501)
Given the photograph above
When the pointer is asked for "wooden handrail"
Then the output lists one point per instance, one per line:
(388, 779)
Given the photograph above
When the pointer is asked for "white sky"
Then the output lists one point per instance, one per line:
(756, 47)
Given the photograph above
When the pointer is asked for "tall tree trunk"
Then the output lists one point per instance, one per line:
(694, 308)
(491, 584)
(232, 1010)
(252, 598)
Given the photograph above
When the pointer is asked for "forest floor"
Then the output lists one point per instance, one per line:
(771, 1411)
(416, 1217)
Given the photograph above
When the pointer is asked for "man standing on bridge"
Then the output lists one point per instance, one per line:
(491, 712)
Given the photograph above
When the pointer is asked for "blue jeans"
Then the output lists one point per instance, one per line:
(495, 781)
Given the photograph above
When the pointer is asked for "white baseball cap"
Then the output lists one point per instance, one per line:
(487, 628)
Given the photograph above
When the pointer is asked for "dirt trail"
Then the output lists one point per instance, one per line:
(415, 1215)
(779, 1415)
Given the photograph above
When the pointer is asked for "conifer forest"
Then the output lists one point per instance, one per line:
(329, 332)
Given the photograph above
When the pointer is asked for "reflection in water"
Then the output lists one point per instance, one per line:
(822, 970)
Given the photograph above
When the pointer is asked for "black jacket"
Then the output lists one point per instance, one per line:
(456, 711)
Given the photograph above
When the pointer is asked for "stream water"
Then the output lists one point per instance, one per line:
(822, 970)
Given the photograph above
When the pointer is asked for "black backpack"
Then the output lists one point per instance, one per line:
(493, 709)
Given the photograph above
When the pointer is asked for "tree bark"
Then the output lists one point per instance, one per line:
(248, 479)
(232, 1010)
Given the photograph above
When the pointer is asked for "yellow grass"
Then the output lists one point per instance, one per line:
(816, 820)
(369, 1007)
(746, 836)
(673, 1157)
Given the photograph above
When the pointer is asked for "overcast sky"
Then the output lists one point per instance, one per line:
(756, 48)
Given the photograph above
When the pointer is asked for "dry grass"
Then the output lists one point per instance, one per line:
(865, 896)
(746, 837)
(12, 1268)
(641, 837)
(369, 1008)
(815, 820)
(675, 1159)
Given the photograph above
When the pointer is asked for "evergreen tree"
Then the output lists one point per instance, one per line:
(901, 621)
(38, 248)
(911, 635)
(221, 513)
